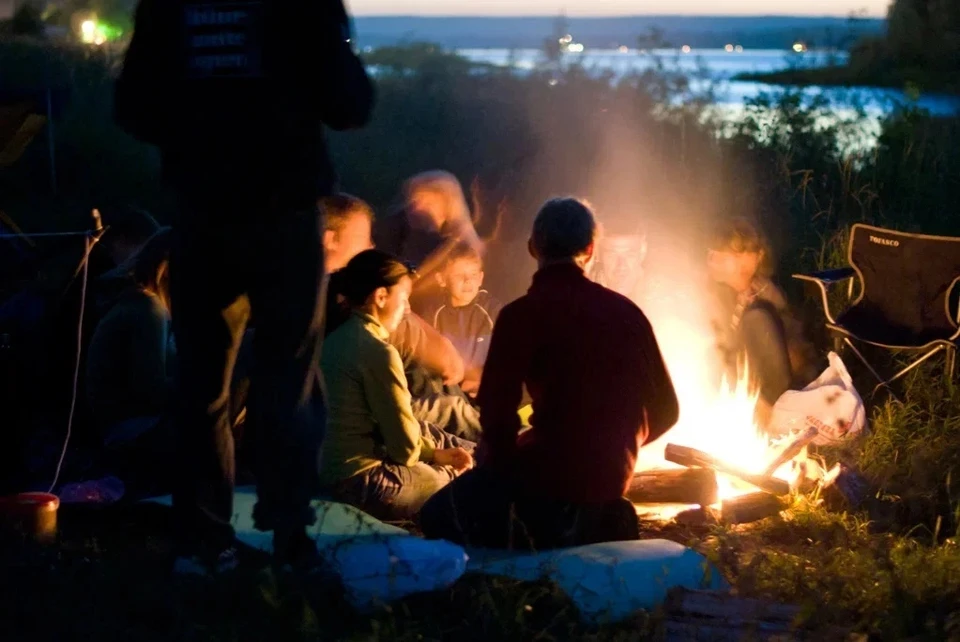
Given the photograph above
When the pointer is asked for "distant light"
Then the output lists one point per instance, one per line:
(553, 82)
(685, 49)
(738, 48)
(624, 49)
(575, 47)
(728, 48)
(566, 40)
(99, 39)
(88, 30)
(799, 47)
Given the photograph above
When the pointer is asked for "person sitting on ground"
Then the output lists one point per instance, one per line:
(433, 218)
(751, 317)
(376, 455)
(431, 362)
(130, 360)
(466, 313)
(621, 256)
(599, 387)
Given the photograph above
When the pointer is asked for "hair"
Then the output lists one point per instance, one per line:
(150, 266)
(445, 185)
(367, 271)
(463, 251)
(338, 209)
(564, 229)
(739, 235)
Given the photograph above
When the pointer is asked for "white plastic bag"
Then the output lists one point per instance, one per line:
(831, 404)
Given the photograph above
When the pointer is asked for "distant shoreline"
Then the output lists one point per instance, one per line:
(910, 80)
(521, 32)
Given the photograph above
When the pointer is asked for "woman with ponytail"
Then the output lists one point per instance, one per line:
(376, 455)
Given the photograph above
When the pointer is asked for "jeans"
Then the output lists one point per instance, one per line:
(393, 492)
(483, 509)
(444, 406)
(230, 261)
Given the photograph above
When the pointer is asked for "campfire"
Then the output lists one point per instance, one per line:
(715, 458)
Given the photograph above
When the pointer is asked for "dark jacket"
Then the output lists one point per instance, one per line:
(599, 386)
(235, 94)
(469, 327)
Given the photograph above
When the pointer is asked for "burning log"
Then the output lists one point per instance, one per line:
(750, 508)
(693, 457)
(674, 486)
(696, 517)
(791, 450)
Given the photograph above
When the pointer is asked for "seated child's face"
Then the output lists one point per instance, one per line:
(462, 279)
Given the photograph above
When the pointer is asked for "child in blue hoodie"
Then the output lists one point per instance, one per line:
(466, 313)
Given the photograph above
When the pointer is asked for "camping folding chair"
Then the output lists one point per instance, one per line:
(904, 301)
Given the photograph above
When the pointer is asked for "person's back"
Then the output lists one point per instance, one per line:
(130, 361)
(589, 349)
(235, 94)
(600, 389)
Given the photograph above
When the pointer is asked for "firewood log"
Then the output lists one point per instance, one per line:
(674, 486)
(726, 606)
(791, 450)
(750, 508)
(692, 457)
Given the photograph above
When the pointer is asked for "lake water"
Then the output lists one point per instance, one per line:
(715, 69)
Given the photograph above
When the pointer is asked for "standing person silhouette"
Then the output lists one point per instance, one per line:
(235, 96)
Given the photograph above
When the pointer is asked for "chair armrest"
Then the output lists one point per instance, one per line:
(825, 279)
(828, 277)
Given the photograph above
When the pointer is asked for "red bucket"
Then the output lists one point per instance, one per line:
(31, 515)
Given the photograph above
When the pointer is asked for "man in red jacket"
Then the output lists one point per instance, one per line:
(600, 389)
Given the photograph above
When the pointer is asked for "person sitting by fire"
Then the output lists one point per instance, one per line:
(434, 217)
(753, 324)
(376, 455)
(620, 260)
(600, 390)
(466, 314)
(431, 362)
(130, 364)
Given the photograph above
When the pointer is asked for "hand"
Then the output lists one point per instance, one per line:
(457, 458)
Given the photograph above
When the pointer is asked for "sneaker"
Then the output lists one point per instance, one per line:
(204, 566)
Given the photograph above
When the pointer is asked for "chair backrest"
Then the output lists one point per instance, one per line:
(906, 278)
(19, 124)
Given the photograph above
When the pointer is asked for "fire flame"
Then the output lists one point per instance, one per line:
(718, 420)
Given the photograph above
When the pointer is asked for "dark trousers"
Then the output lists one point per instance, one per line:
(228, 262)
(483, 509)
(394, 492)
